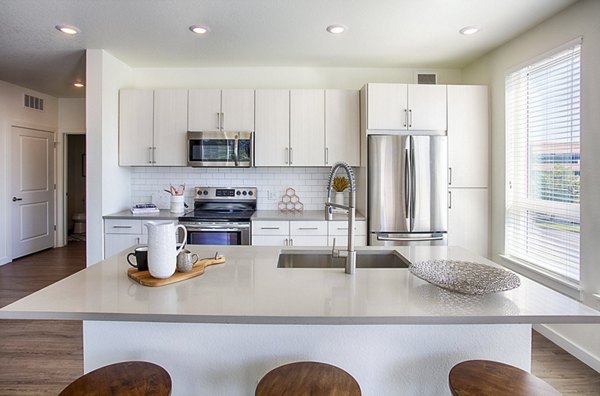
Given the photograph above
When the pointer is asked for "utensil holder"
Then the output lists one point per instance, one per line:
(177, 204)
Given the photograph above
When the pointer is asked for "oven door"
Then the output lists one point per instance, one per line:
(220, 149)
(217, 233)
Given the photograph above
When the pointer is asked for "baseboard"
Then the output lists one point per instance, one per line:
(566, 344)
(5, 260)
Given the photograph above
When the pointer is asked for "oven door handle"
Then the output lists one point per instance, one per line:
(206, 228)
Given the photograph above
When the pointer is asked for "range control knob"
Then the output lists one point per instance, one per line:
(250, 193)
(237, 193)
(205, 192)
(244, 193)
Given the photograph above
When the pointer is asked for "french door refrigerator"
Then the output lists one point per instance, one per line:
(407, 190)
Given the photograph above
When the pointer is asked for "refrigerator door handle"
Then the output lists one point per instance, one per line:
(407, 184)
(420, 239)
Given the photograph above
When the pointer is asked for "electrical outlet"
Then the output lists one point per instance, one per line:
(271, 195)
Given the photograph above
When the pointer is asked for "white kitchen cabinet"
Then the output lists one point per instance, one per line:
(227, 110)
(120, 234)
(410, 107)
(307, 127)
(338, 229)
(289, 233)
(468, 152)
(468, 219)
(152, 127)
(342, 126)
(272, 133)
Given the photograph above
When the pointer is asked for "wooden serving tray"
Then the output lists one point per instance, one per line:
(144, 278)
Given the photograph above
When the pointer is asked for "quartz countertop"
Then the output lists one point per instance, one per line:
(307, 215)
(163, 214)
(249, 288)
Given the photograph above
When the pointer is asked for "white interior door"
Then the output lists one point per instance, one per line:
(32, 191)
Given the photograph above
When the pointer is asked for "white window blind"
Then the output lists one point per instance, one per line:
(543, 163)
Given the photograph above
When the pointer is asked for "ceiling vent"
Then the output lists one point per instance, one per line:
(426, 78)
(33, 102)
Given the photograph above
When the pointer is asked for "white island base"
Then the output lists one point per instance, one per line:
(230, 359)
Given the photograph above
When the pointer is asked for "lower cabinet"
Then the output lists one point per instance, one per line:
(468, 224)
(305, 233)
(120, 234)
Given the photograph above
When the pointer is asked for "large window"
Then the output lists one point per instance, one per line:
(543, 163)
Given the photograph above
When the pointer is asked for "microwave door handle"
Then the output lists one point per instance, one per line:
(236, 148)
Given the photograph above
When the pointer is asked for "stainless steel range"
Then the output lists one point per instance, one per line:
(221, 216)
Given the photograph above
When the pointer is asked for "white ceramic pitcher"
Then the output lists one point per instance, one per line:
(162, 248)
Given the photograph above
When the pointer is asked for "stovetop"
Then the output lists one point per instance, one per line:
(224, 204)
(210, 215)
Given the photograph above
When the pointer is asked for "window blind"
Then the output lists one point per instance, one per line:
(543, 163)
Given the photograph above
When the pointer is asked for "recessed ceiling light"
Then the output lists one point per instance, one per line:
(199, 29)
(68, 29)
(468, 30)
(79, 85)
(336, 29)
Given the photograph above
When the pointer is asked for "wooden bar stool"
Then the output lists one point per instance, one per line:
(120, 379)
(488, 378)
(307, 379)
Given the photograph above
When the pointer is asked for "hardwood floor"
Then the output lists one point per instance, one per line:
(43, 357)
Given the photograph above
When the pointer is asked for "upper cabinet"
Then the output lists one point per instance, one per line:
(468, 152)
(225, 110)
(152, 127)
(406, 107)
(306, 127)
(342, 126)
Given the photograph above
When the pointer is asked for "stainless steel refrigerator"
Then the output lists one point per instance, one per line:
(407, 190)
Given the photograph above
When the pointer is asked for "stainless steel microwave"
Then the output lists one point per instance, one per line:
(221, 149)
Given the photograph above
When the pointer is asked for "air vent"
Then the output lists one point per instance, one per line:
(33, 102)
(426, 78)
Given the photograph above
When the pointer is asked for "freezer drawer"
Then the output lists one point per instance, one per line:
(407, 239)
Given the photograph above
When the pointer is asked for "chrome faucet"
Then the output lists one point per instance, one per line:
(349, 253)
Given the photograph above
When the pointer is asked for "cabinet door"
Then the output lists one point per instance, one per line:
(342, 241)
(170, 127)
(270, 240)
(342, 127)
(272, 134)
(307, 127)
(316, 240)
(204, 108)
(468, 225)
(468, 150)
(386, 106)
(237, 108)
(427, 107)
(114, 243)
(136, 126)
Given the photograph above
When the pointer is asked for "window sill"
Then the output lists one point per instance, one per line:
(571, 289)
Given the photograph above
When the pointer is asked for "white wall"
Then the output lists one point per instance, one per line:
(581, 19)
(281, 77)
(71, 119)
(12, 112)
(108, 185)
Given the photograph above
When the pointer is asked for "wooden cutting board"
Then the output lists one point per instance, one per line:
(144, 277)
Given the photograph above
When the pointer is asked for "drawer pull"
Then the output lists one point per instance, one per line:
(269, 228)
(122, 226)
(342, 228)
(308, 228)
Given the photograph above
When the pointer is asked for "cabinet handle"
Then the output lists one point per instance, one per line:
(308, 228)
(326, 155)
(222, 121)
(405, 117)
(269, 228)
(291, 155)
(410, 118)
(449, 199)
(122, 226)
(218, 121)
(154, 155)
(342, 228)
(150, 154)
(138, 240)
(287, 155)
(450, 176)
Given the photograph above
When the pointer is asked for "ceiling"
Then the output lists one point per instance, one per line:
(154, 33)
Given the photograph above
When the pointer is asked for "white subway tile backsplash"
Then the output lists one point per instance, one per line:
(310, 183)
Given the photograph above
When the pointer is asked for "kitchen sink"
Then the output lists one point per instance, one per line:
(323, 259)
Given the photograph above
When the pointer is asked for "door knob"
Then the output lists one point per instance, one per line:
(15, 199)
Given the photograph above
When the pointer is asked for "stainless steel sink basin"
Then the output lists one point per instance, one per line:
(323, 259)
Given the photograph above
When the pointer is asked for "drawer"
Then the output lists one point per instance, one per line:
(270, 228)
(122, 226)
(339, 227)
(270, 240)
(308, 228)
(313, 240)
(342, 241)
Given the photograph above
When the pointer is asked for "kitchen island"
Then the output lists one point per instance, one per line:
(221, 332)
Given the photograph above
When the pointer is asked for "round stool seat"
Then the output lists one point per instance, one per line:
(120, 379)
(488, 378)
(307, 379)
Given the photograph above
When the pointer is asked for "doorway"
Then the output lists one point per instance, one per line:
(75, 187)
